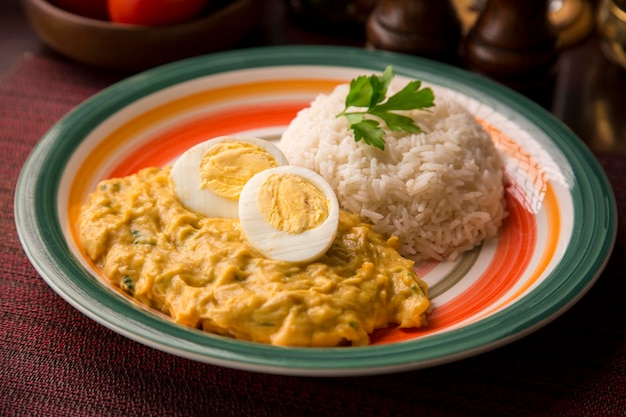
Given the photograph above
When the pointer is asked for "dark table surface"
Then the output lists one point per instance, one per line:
(55, 361)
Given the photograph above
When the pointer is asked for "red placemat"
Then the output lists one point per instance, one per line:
(55, 361)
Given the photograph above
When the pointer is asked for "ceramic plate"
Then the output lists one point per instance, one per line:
(554, 244)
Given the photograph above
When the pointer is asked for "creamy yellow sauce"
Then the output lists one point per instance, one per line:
(203, 273)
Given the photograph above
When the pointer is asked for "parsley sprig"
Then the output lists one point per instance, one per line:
(370, 92)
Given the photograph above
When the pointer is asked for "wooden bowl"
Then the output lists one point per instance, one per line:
(135, 48)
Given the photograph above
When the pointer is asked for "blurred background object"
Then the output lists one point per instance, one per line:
(589, 88)
(342, 17)
(429, 28)
(611, 15)
(573, 20)
(514, 42)
(127, 47)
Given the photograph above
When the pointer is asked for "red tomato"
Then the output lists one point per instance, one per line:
(95, 9)
(154, 12)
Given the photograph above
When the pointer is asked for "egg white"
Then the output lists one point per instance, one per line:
(280, 245)
(185, 175)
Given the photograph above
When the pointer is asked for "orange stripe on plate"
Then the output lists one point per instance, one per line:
(120, 137)
(516, 243)
(123, 134)
(514, 150)
(551, 206)
(170, 143)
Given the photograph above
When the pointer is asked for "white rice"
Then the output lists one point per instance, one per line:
(439, 191)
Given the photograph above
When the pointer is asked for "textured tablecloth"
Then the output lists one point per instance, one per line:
(56, 361)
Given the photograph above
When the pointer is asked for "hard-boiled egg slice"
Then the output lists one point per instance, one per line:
(208, 178)
(289, 213)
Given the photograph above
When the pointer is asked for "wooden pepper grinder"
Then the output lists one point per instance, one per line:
(514, 43)
(429, 28)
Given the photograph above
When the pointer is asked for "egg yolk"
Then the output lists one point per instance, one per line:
(226, 167)
(292, 204)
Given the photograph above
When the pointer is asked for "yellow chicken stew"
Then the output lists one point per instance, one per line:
(203, 273)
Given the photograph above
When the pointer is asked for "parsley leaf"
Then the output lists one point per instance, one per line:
(370, 93)
(370, 132)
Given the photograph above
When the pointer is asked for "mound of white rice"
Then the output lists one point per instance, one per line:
(439, 191)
